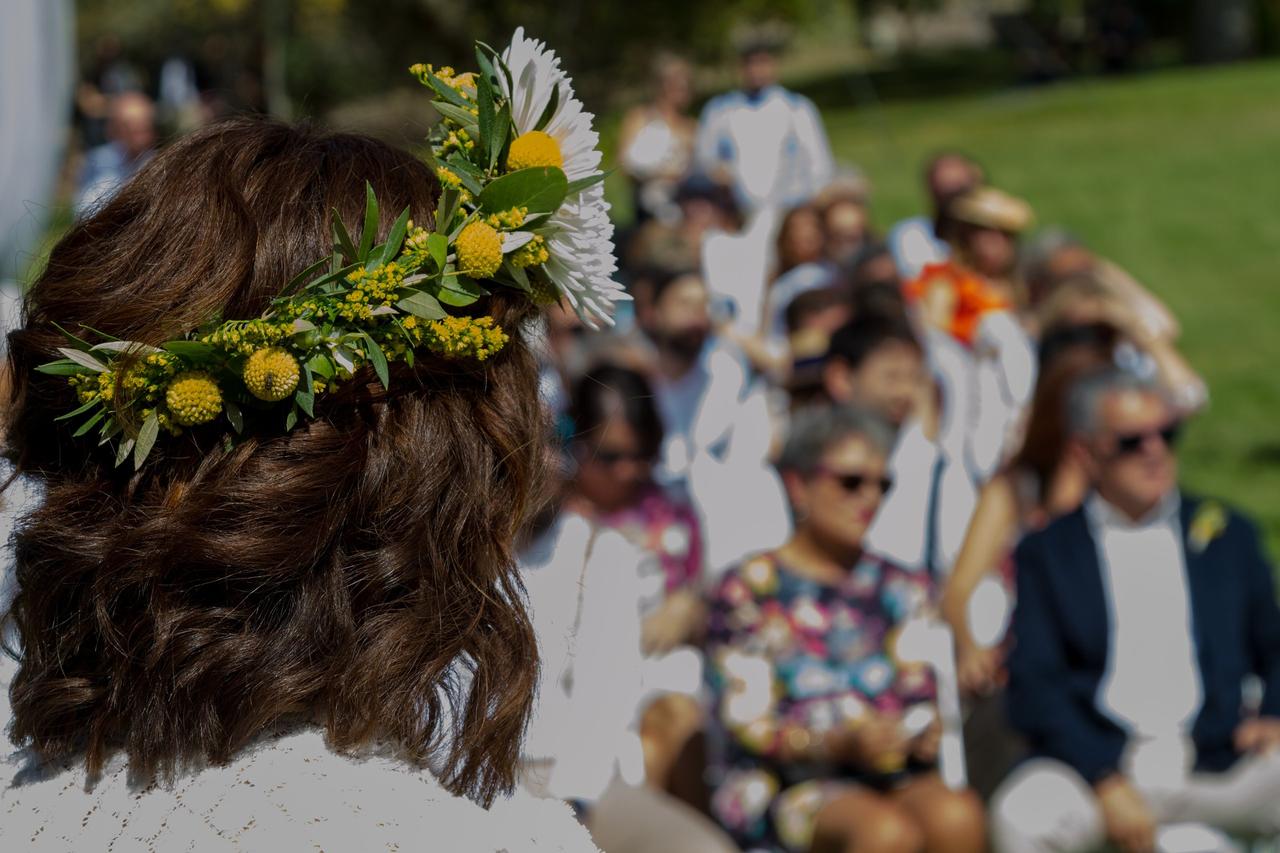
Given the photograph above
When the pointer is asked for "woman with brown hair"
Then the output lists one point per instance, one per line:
(312, 638)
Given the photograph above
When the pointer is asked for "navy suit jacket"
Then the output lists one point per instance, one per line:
(1061, 641)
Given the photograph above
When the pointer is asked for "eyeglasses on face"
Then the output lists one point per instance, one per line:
(854, 482)
(1130, 443)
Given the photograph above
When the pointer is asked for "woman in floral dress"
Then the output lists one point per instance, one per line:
(823, 739)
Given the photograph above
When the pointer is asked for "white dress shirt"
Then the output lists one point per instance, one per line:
(772, 142)
(1152, 685)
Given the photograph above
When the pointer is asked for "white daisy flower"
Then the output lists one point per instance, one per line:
(579, 235)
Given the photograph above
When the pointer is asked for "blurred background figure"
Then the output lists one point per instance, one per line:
(656, 144)
(765, 142)
(131, 135)
(1140, 616)
(613, 585)
(916, 242)
(823, 739)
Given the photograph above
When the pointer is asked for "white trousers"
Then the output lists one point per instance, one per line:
(1046, 806)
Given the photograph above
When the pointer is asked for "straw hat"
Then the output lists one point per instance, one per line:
(988, 207)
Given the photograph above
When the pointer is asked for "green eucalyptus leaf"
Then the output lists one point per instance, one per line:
(123, 451)
(498, 139)
(370, 222)
(194, 350)
(110, 430)
(88, 425)
(395, 240)
(80, 411)
(459, 116)
(125, 347)
(487, 108)
(518, 275)
(235, 417)
(423, 305)
(589, 181)
(146, 440)
(84, 359)
(378, 360)
(320, 365)
(305, 396)
(63, 367)
(467, 173)
(448, 93)
(550, 110)
(459, 291)
(291, 419)
(78, 340)
(438, 247)
(541, 189)
(342, 239)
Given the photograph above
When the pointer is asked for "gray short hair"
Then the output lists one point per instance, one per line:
(1085, 399)
(817, 429)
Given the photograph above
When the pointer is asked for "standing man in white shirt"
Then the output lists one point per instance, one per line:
(1139, 618)
(765, 142)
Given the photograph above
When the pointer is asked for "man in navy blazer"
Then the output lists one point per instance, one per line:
(1139, 618)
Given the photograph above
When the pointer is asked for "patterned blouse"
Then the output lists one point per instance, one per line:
(666, 527)
(788, 656)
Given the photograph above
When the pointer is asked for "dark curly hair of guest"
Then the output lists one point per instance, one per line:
(357, 570)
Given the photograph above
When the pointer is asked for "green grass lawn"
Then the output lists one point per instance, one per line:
(1177, 177)
(1174, 175)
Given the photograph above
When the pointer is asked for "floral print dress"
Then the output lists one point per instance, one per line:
(788, 657)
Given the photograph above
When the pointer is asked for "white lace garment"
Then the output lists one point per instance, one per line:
(288, 792)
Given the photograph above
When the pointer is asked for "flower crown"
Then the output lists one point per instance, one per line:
(521, 206)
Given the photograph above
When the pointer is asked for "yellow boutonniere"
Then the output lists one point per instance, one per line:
(1207, 525)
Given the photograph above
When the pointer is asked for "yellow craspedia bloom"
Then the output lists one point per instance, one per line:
(479, 248)
(193, 398)
(534, 148)
(271, 374)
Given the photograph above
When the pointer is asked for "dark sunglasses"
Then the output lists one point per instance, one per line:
(1128, 444)
(853, 482)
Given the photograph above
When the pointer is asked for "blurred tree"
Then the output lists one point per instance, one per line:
(308, 55)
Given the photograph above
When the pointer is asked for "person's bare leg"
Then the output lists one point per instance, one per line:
(862, 821)
(954, 821)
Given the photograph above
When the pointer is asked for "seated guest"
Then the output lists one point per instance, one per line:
(876, 362)
(131, 128)
(617, 437)
(1139, 617)
(917, 242)
(822, 739)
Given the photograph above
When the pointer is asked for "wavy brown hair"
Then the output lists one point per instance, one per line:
(358, 569)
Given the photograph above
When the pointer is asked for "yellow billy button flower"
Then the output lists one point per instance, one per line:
(479, 249)
(534, 148)
(193, 398)
(271, 374)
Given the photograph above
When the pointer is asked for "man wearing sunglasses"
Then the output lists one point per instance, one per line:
(1139, 618)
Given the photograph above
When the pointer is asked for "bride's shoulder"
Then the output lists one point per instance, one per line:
(287, 792)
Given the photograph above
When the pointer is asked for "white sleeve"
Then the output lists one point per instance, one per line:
(812, 137)
(900, 528)
(597, 728)
(707, 152)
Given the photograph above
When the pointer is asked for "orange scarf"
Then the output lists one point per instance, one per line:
(973, 296)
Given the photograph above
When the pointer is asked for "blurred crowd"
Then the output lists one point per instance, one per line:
(852, 524)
